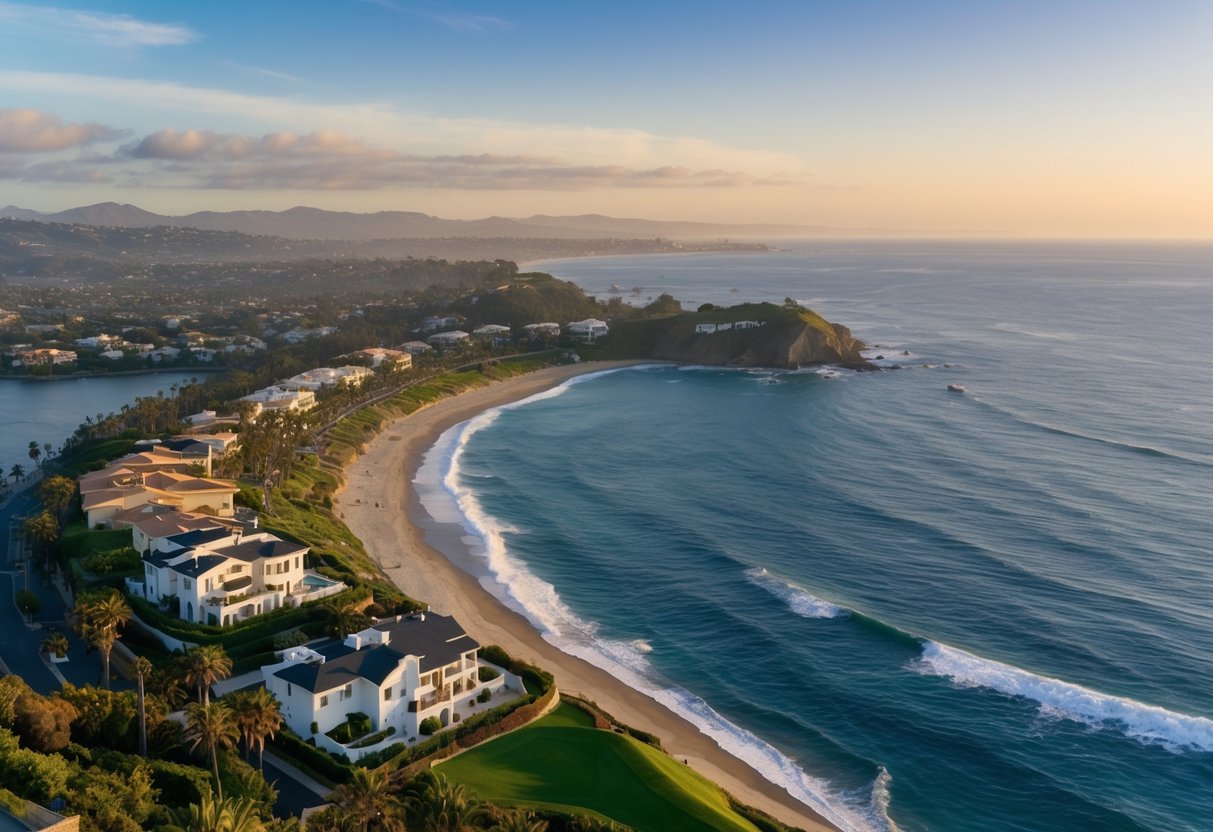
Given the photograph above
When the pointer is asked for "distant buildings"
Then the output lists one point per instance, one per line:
(279, 398)
(447, 340)
(589, 330)
(548, 329)
(326, 377)
(378, 356)
(433, 323)
(415, 348)
(34, 358)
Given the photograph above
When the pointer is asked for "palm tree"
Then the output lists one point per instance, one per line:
(55, 644)
(16, 472)
(44, 529)
(218, 815)
(143, 669)
(258, 716)
(518, 820)
(369, 798)
(98, 620)
(437, 805)
(35, 451)
(56, 494)
(212, 726)
(206, 665)
(348, 617)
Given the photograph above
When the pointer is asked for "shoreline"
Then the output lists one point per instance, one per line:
(380, 506)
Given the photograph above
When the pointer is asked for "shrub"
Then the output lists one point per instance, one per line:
(536, 679)
(429, 725)
(484, 696)
(356, 725)
(487, 674)
(378, 758)
(291, 638)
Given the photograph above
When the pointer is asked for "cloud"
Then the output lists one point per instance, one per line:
(33, 131)
(386, 125)
(330, 160)
(459, 21)
(118, 30)
(463, 22)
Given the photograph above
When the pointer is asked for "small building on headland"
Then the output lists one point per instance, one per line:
(589, 330)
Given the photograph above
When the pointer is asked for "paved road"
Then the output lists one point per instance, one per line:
(20, 646)
(293, 796)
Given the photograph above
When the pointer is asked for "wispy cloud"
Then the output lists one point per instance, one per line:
(385, 125)
(329, 160)
(118, 30)
(261, 70)
(33, 131)
(452, 19)
(466, 22)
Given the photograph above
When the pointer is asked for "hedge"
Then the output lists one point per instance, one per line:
(537, 677)
(311, 758)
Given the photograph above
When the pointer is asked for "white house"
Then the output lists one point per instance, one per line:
(416, 347)
(274, 397)
(327, 377)
(589, 330)
(221, 576)
(448, 339)
(543, 329)
(164, 354)
(705, 329)
(399, 672)
(434, 323)
(378, 356)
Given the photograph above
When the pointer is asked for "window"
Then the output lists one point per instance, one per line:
(288, 688)
(349, 691)
(188, 583)
(387, 694)
(267, 569)
(324, 699)
(296, 561)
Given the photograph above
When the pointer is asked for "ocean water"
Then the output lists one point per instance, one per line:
(914, 609)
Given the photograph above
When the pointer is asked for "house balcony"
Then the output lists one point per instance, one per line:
(429, 700)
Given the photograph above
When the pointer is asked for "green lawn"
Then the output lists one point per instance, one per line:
(562, 762)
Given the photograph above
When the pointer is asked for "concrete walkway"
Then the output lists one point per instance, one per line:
(244, 680)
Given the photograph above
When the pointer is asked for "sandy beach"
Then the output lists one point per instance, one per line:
(380, 506)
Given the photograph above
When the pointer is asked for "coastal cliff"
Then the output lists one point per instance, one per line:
(749, 335)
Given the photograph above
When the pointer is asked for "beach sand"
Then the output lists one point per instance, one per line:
(380, 506)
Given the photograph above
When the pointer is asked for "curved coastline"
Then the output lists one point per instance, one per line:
(381, 506)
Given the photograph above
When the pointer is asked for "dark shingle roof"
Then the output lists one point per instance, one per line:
(254, 549)
(438, 640)
(190, 539)
(200, 565)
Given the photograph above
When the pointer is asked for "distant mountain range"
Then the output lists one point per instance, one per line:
(303, 223)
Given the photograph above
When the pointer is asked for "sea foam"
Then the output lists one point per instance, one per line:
(536, 599)
(799, 600)
(1148, 724)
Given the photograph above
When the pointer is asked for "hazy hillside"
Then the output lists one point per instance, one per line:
(304, 223)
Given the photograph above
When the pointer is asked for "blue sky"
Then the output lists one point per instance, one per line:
(1046, 118)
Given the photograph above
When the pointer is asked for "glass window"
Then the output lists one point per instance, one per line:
(387, 694)
(324, 699)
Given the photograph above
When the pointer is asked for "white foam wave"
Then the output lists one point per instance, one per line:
(536, 599)
(1019, 329)
(799, 600)
(1149, 724)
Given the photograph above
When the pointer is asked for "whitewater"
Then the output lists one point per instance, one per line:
(911, 609)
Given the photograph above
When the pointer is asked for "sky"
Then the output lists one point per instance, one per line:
(1065, 118)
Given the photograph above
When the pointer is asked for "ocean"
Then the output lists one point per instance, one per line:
(913, 608)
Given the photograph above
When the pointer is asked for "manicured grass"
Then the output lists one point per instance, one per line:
(562, 762)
